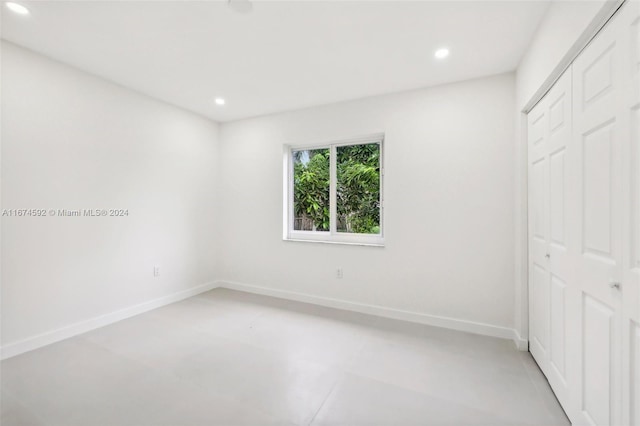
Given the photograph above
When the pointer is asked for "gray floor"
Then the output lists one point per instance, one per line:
(230, 358)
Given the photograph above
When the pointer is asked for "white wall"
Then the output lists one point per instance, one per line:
(562, 26)
(449, 203)
(74, 141)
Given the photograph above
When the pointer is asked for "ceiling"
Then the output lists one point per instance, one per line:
(282, 55)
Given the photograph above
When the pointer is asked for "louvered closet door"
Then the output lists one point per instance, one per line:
(549, 147)
(599, 139)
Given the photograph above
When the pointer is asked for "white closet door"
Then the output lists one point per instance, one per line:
(558, 261)
(538, 233)
(549, 147)
(599, 127)
(629, 37)
(584, 228)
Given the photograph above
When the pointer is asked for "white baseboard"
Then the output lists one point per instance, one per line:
(381, 311)
(44, 339)
(35, 342)
(521, 344)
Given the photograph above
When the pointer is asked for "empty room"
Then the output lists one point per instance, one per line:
(349, 213)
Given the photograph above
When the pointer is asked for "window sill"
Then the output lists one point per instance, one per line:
(344, 243)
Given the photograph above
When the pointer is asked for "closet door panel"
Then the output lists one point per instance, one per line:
(598, 201)
(539, 212)
(557, 189)
(598, 323)
(557, 327)
(537, 131)
(549, 269)
(559, 149)
(630, 42)
(597, 192)
(540, 313)
(538, 235)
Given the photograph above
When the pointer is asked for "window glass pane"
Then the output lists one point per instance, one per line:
(311, 190)
(358, 188)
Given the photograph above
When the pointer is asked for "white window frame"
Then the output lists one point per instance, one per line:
(331, 236)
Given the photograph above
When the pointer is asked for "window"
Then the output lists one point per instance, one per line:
(334, 192)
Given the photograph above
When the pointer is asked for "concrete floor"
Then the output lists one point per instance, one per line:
(231, 358)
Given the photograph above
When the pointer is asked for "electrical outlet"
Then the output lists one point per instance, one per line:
(339, 273)
(156, 271)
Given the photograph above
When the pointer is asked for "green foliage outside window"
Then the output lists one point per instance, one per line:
(311, 190)
(357, 189)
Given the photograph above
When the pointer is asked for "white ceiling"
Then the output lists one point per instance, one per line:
(282, 55)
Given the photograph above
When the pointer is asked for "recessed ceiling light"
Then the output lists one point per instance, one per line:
(219, 101)
(17, 8)
(442, 53)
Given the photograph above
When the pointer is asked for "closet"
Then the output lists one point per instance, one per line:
(584, 228)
